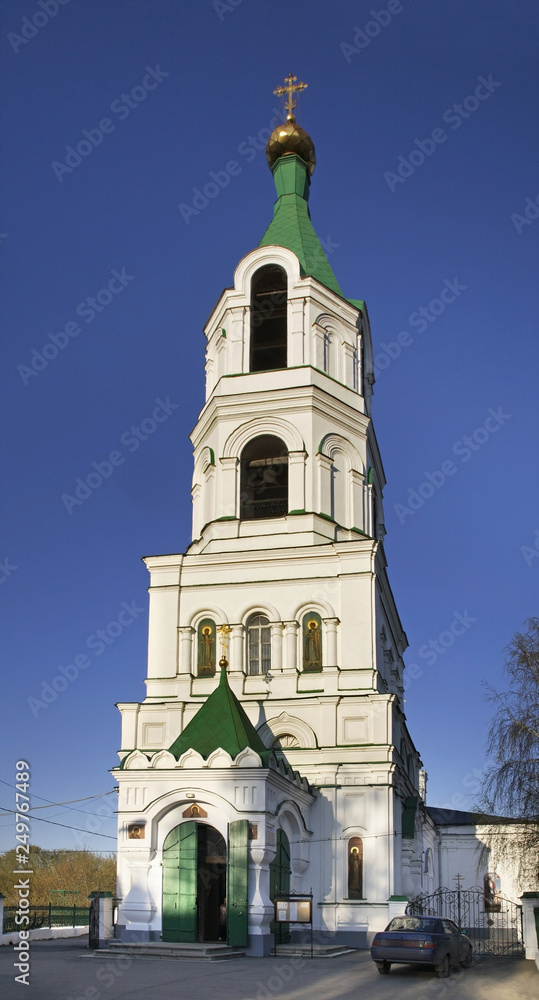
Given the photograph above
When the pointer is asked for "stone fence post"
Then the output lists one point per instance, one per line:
(530, 925)
(105, 926)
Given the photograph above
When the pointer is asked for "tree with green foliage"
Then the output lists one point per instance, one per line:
(78, 873)
(511, 782)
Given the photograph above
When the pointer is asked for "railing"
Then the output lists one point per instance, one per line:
(252, 509)
(46, 916)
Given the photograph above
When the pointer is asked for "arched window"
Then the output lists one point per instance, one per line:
(258, 644)
(355, 868)
(264, 478)
(206, 646)
(268, 319)
(312, 642)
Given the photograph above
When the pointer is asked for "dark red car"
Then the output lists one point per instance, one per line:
(434, 941)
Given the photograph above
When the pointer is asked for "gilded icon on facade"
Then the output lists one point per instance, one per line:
(206, 648)
(312, 645)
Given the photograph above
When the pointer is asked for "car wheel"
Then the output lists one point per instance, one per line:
(383, 968)
(466, 962)
(442, 970)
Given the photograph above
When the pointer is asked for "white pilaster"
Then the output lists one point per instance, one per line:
(227, 491)
(186, 664)
(290, 645)
(296, 480)
(276, 647)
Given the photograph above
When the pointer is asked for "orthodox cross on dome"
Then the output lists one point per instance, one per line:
(223, 631)
(290, 88)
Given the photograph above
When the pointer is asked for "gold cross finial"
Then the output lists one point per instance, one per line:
(223, 631)
(290, 88)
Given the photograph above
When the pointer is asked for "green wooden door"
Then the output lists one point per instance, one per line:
(280, 881)
(237, 883)
(180, 883)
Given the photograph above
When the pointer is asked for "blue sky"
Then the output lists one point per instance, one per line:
(101, 265)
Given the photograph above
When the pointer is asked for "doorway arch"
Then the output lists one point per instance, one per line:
(205, 883)
(194, 883)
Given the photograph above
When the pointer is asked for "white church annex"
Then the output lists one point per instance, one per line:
(287, 767)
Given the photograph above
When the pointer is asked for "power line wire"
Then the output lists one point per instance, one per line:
(6, 812)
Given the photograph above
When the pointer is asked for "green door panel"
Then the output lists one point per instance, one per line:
(237, 887)
(171, 878)
(280, 882)
(180, 884)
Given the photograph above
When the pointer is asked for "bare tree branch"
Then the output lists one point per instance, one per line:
(511, 782)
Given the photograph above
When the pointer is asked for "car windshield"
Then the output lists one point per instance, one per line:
(424, 924)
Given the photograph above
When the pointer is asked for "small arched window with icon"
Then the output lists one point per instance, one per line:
(312, 642)
(206, 648)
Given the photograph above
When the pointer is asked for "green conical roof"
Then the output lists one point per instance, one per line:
(291, 226)
(220, 722)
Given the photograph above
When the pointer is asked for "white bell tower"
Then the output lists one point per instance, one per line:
(288, 552)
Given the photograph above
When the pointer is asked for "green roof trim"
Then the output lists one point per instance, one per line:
(220, 722)
(291, 226)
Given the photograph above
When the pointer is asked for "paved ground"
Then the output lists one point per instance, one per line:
(62, 970)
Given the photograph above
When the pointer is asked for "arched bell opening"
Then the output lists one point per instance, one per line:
(268, 342)
(264, 478)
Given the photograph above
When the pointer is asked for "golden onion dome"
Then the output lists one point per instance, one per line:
(290, 138)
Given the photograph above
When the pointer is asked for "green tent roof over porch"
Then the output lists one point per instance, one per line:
(220, 722)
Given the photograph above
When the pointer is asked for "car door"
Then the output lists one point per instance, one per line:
(454, 939)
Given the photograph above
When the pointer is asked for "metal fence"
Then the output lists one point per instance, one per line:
(494, 929)
(46, 916)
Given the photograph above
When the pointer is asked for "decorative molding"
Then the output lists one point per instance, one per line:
(291, 726)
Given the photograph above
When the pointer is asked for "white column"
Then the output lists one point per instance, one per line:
(290, 645)
(330, 630)
(237, 335)
(276, 647)
(237, 648)
(129, 712)
(208, 499)
(296, 480)
(530, 902)
(356, 500)
(187, 634)
(226, 503)
(210, 378)
(196, 496)
(318, 348)
(296, 336)
(348, 374)
(369, 520)
(325, 465)
(162, 638)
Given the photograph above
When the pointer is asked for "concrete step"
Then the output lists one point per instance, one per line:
(319, 951)
(205, 951)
